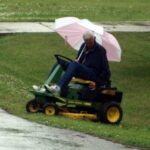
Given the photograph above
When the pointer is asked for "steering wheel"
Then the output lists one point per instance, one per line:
(63, 61)
(61, 58)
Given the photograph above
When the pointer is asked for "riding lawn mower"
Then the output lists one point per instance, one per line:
(77, 100)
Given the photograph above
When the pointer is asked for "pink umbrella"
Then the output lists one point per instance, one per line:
(72, 30)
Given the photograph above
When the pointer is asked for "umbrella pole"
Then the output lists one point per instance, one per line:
(81, 53)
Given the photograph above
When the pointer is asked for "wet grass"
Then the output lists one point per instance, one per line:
(25, 59)
(98, 10)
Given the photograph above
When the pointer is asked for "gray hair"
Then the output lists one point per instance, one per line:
(88, 34)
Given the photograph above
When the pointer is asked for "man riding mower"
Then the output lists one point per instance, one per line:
(90, 97)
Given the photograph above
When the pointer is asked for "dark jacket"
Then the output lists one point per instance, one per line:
(96, 59)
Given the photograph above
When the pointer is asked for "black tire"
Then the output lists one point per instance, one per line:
(32, 106)
(50, 109)
(111, 113)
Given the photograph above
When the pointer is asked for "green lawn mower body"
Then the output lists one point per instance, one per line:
(77, 101)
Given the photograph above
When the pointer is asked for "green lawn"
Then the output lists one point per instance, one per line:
(97, 10)
(25, 59)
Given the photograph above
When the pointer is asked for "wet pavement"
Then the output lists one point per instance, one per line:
(26, 27)
(19, 134)
(46, 27)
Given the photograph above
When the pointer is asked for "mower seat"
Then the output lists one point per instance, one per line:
(81, 81)
(86, 82)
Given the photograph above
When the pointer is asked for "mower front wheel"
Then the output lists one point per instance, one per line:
(50, 109)
(32, 106)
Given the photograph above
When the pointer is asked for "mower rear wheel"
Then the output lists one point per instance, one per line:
(111, 113)
(50, 109)
(32, 106)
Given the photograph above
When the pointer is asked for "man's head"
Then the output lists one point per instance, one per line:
(89, 39)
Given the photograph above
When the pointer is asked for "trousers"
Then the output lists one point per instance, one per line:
(75, 69)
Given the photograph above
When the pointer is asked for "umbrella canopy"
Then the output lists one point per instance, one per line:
(72, 30)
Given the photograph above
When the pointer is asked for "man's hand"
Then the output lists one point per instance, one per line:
(92, 86)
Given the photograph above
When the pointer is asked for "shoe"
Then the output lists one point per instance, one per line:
(42, 90)
(38, 88)
(35, 87)
(53, 88)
